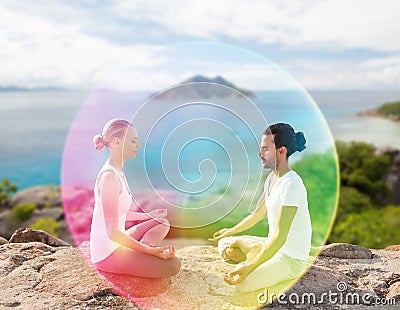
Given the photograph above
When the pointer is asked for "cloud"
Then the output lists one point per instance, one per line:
(332, 24)
(37, 52)
(378, 73)
(385, 71)
(58, 43)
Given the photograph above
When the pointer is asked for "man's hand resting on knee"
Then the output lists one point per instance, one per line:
(224, 232)
(238, 274)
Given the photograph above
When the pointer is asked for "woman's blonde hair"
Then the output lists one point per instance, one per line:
(113, 128)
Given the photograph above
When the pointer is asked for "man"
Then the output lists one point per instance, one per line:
(283, 255)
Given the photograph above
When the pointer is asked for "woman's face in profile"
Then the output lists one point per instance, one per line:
(131, 143)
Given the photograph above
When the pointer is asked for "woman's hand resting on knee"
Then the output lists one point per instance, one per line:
(158, 213)
(163, 252)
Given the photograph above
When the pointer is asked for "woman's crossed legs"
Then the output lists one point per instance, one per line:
(131, 262)
(150, 232)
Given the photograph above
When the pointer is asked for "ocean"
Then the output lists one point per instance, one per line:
(34, 126)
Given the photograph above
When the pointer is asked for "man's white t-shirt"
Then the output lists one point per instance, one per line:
(289, 190)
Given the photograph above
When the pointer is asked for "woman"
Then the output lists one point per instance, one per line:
(113, 248)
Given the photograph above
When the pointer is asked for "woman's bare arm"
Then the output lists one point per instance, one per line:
(137, 216)
(110, 188)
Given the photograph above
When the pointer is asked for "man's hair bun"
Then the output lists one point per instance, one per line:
(300, 141)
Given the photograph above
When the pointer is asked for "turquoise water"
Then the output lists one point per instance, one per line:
(34, 127)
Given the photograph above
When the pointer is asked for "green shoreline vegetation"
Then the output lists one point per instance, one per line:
(390, 110)
(362, 217)
(6, 190)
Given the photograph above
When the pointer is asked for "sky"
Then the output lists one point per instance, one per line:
(324, 45)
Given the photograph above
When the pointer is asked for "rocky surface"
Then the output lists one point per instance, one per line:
(345, 250)
(395, 247)
(42, 196)
(23, 235)
(35, 275)
(3, 241)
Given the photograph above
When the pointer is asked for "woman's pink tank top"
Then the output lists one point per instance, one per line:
(101, 245)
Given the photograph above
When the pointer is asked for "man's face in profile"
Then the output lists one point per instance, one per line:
(267, 152)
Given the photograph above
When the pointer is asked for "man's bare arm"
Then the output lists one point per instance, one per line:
(248, 222)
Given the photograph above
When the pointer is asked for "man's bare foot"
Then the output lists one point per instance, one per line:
(253, 251)
(240, 243)
(234, 254)
(241, 251)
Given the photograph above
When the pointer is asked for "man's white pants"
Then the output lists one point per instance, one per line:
(281, 267)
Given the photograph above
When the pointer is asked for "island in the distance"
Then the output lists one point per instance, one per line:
(389, 110)
(200, 86)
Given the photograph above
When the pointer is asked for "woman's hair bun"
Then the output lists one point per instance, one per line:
(300, 141)
(99, 142)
